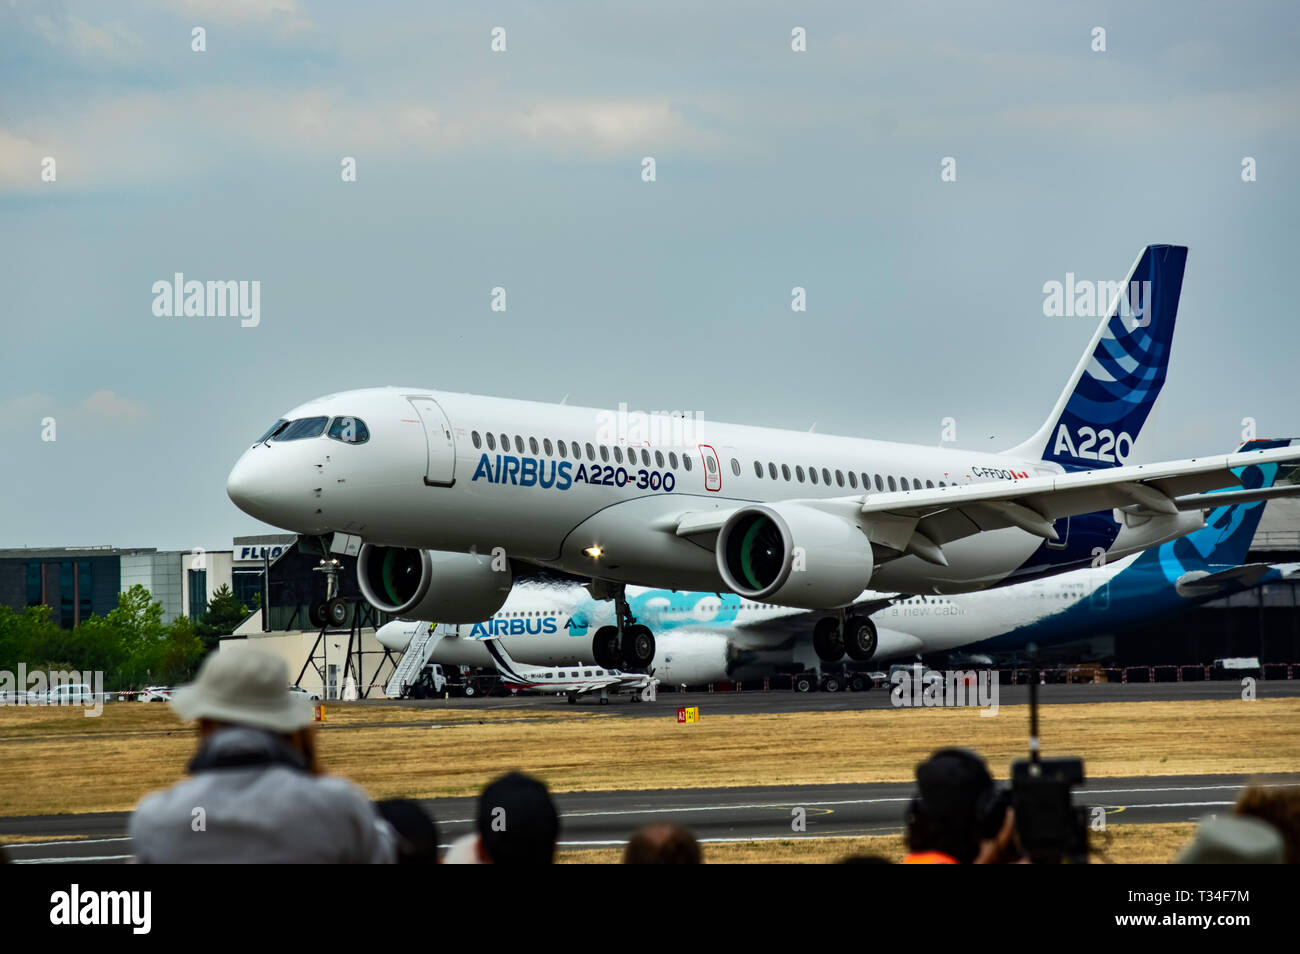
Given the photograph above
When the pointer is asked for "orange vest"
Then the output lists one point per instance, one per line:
(929, 858)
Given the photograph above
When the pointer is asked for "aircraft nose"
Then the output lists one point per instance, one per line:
(253, 487)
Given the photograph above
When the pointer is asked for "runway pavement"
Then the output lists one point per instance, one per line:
(758, 701)
(605, 819)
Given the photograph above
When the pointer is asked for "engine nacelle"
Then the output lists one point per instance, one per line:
(757, 549)
(432, 585)
(692, 658)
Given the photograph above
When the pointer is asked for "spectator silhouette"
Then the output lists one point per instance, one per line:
(255, 792)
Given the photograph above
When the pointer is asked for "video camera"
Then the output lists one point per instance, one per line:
(1052, 830)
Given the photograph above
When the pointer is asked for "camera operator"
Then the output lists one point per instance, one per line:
(959, 814)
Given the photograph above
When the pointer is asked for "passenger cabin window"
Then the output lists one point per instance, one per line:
(839, 478)
(902, 483)
(604, 453)
(812, 474)
(472, 434)
(303, 428)
(686, 461)
(771, 470)
(618, 456)
(591, 452)
(532, 445)
(519, 444)
(853, 480)
(659, 459)
(879, 485)
(892, 484)
(645, 457)
(735, 466)
(826, 476)
(272, 431)
(505, 443)
(577, 451)
(491, 441)
(353, 430)
(758, 469)
(798, 472)
(710, 465)
(672, 459)
(785, 471)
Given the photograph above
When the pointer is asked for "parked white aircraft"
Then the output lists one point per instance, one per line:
(455, 495)
(572, 681)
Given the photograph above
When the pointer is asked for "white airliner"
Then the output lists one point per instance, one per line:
(709, 637)
(454, 496)
(572, 681)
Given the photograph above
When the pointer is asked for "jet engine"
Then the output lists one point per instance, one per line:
(793, 555)
(432, 585)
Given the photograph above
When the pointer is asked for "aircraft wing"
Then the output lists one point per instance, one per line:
(602, 684)
(1198, 583)
(943, 514)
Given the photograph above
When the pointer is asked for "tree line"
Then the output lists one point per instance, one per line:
(130, 644)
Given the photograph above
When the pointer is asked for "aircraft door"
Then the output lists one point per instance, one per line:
(712, 469)
(440, 468)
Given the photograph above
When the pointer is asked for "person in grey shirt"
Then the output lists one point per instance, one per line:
(256, 793)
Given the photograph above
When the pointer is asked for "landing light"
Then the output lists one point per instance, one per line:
(593, 551)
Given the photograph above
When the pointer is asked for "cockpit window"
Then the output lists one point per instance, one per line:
(349, 430)
(302, 429)
(271, 431)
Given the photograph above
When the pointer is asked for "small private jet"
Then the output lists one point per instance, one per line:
(572, 681)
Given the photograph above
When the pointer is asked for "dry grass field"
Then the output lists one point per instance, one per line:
(55, 760)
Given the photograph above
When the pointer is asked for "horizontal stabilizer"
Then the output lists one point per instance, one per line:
(1200, 584)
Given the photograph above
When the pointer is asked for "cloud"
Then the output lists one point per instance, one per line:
(110, 40)
(112, 405)
(147, 137)
(237, 11)
(25, 413)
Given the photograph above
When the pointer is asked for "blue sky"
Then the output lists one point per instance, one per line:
(522, 169)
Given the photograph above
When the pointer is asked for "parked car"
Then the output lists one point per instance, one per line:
(155, 694)
(310, 694)
(68, 695)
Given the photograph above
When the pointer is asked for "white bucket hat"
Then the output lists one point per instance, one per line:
(244, 686)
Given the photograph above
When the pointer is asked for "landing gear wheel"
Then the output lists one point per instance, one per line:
(803, 684)
(316, 613)
(470, 690)
(336, 611)
(573, 698)
(859, 638)
(604, 700)
(832, 684)
(858, 683)
(604, 647)
(827, 640)
(638, 647)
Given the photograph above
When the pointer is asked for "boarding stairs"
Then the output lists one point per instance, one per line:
(413, 660)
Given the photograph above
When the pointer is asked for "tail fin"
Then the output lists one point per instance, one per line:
(1228, 532)
(506, 666)
(1100, 413)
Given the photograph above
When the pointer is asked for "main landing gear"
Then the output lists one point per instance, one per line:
(627, 645)
(850, 633)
